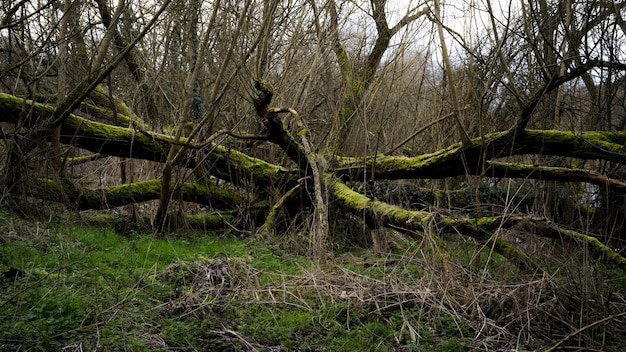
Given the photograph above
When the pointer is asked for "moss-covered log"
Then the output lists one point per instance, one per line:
(208, 221)
(78, 160)
(82, 198)
(462, 159)
(225, 163)
(546, 173)
(595, 246)
(239, 168)
(480, 228)
(417, 221)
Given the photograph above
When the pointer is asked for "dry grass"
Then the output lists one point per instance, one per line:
(423, 295)
(492, 313)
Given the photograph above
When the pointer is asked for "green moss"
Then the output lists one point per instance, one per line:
(100, 132)
(598, 247)
(136, 192)
(351, 199)
(85, 158)
(12, 106)
(355, 201)
(208, 221)
(587, 144)
(205, 193)
(240, 164)
(144, 189)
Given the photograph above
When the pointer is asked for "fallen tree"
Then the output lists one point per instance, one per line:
(211, 161)
(83, 198)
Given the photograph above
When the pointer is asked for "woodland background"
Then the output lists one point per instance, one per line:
(325, 124)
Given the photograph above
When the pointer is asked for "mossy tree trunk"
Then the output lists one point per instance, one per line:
(329, 181)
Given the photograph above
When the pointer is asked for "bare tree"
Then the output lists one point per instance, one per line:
(227, 103)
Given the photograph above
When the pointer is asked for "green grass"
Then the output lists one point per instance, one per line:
(97, 289)
(80, 282)
(94, 289)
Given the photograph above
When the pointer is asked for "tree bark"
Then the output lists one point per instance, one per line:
(83, 198)
(239, 169)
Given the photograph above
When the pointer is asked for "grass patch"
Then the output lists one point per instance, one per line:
(87, 288)
(85, 282)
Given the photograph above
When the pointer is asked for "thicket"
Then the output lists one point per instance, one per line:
(328, 125)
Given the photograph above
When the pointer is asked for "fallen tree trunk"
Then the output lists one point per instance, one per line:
(225, 163)
(214, 221)
(474, 158)
(83, 198)
(462, 159)
(483, 229)
(231, 165)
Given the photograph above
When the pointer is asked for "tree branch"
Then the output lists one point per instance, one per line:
(83, 198)
(444, 163)
(84, 88)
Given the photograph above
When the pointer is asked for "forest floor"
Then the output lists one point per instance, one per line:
(76, 287)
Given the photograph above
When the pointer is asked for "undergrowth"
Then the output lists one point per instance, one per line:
(81, 288)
